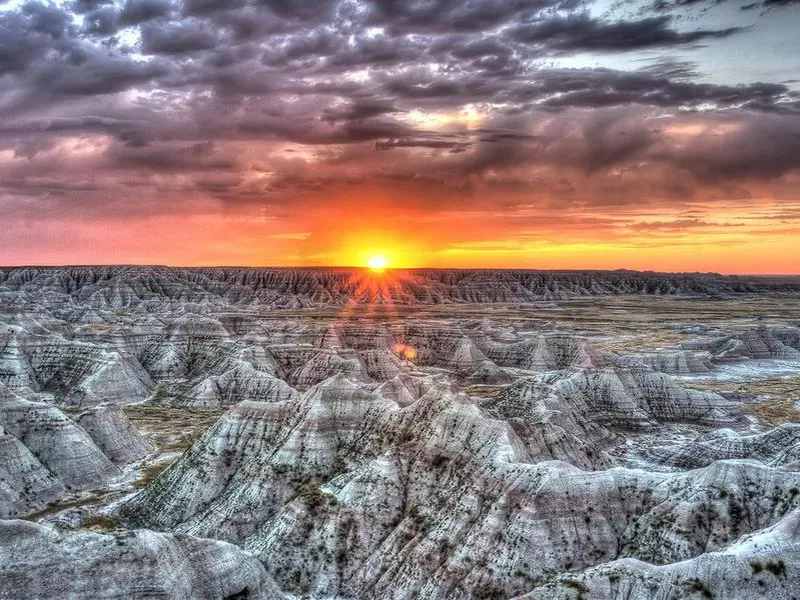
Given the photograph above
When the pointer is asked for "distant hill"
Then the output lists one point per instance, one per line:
(157, 288)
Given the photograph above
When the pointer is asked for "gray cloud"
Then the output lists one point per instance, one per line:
(580, 32)
(203, 81)
(177, 38)
(139, 11)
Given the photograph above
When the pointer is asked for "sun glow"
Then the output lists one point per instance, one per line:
(377, 263)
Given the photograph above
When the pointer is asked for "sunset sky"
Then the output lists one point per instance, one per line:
(546, 134)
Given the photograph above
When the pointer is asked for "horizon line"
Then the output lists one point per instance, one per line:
(365, 268)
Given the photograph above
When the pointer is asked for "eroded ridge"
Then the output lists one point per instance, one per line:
(269, 433)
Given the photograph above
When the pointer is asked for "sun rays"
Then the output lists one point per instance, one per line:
(376, 291)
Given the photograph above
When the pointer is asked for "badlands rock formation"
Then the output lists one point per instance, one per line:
(763, 565)
(47, 454)
(113, 433)
(755, 343)
(39, 562)
(25, 484)
(416, 434)
(346, 492)
(683, 362)
(86, 291)
(778, 446)
(56, 440)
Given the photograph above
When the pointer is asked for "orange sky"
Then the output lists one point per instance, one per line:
(354, 224)
(700, 197)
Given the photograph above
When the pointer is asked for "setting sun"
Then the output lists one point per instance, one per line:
(377, 263)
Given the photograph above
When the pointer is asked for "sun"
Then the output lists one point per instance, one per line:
(377, 263)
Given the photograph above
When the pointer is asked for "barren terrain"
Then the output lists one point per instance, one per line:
(340, 434)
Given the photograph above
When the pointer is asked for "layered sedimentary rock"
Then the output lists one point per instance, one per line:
(628, 397)
(284, 442)
(546, 353)
(764, 565)
(684, 362)
(758, 343)
(46, 454)
(238, 384)
(72, 372)
(40, 562)
(113, 433)
(56, 441)
(394, 530)
(552, 427)
(349, 492)
(155, 289)
(777, 446)
(25, 484)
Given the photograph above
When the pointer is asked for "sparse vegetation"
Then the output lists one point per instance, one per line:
(776, 567)
(100, 523)
(169, 428)
(774, 400)
(581, 588)
(313, 496)
(150, 472)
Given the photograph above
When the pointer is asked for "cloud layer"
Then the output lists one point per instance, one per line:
(270, 116)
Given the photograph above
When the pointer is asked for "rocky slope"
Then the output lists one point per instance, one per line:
(763, 565)
(755, 343)
(683, 362)
(113, 433)
(47, 454)
(778, 446)
(25, 484)
(349, 492)
(40, 562)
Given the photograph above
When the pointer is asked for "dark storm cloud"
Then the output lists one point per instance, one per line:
(177, 38)
(86, 72)
(579, 33)
(84, 6)
(101, 21)
(106, 19)
(779, 3)
(563, 88)
(452, 15)
(670, 68)
(30, 33)
(67, 124)
(761, 148)
(46, 19)
(318, 44)
(745, 5)
(139, 11)
(158, 94)
(300, 9)
(359, 110)
(204, 7)
(600, 87)
(423, 143)
(202, 156)
(250, 23)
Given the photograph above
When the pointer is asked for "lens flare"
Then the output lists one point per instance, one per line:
(405, 351)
